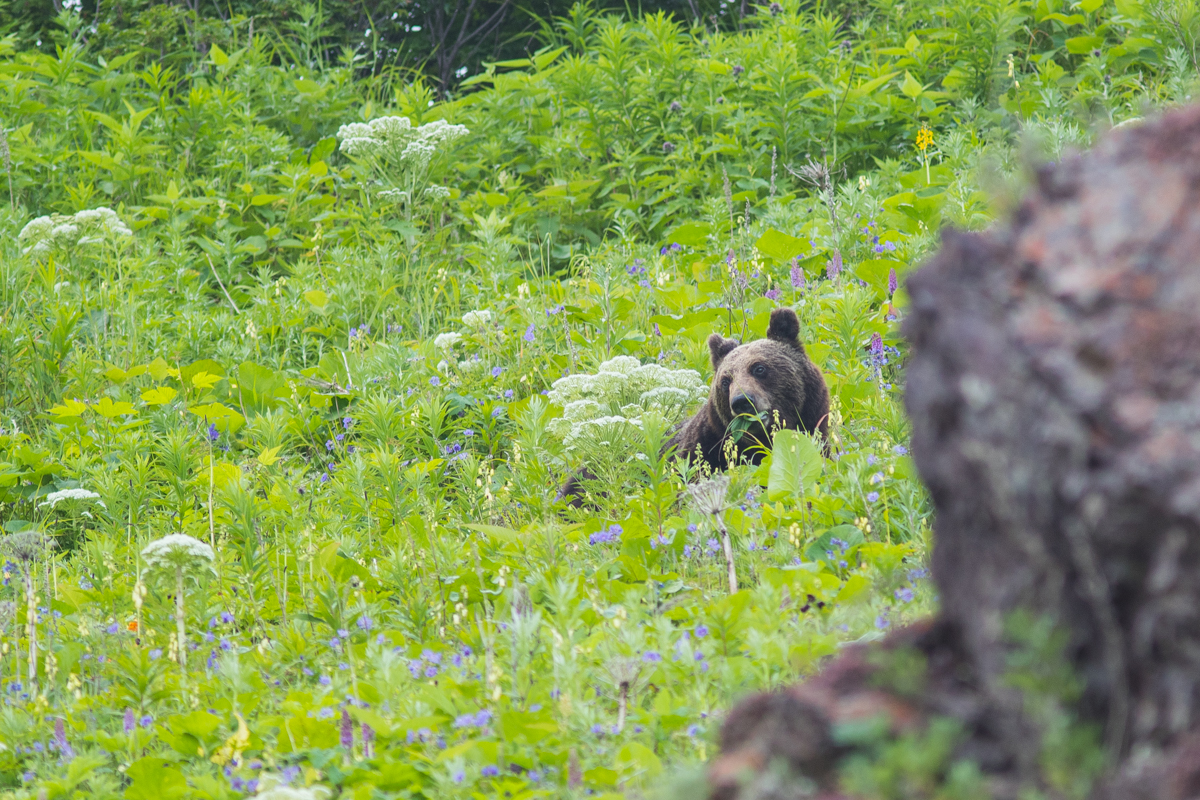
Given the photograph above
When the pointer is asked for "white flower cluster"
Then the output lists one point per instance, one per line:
(176, 550)
(604, 407)
(53, 498)
(445, 341)
(43, 235)
(403, 153)
(396, 138)
(477, 319)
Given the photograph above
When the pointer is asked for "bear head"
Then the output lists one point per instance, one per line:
(770, 382)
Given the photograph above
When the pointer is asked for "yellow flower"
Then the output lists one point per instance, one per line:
(234, 745)
(924, 137)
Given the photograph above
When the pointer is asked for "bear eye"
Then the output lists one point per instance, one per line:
(759, 371)
(726, 381)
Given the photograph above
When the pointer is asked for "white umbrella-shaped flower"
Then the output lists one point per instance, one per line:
(708, 497)
(178, 555)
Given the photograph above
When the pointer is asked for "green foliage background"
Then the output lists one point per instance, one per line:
(398, 607)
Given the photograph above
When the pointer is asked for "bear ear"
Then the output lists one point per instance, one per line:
(784, 327)
(720, 347)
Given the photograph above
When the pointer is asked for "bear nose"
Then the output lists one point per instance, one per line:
(743, 404)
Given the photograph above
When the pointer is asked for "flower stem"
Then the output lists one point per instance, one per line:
(31, 629)
(727, 544)
(622, 706)
(180, 632)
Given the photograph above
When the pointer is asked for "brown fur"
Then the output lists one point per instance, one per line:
(772, 376)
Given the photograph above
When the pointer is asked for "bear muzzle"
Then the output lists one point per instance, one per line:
(746, 403)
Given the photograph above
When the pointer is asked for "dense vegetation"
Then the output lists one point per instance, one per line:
(232, 310)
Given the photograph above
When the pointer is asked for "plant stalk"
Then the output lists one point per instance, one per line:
(31, 629)
(180, 632)
(727, 544)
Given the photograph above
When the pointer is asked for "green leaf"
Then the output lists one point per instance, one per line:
(543, 60)
(742, 423)
(779, 246)
(218, 56)
(910, 87)
(635, 760)
(875, 83)
(1091, 5)
(260, 387)
(1079, 45)
(196, 367)
(316, 298)
(323, 149)
(158, 396)
(69, 408)
(154, 779)
(691, 234)
(796, 462)
(107, 408)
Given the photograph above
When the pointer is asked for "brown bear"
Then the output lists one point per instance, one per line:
(769, 383)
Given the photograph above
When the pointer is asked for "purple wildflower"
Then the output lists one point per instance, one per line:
(833, 267)
(904, 595)
(435, 381)
(60, 740)
(129, 723)
(772, 294)
(797, 276)
(892, 281)
(529, 332)
(347, 730)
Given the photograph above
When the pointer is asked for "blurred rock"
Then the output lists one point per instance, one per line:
(1054, 391)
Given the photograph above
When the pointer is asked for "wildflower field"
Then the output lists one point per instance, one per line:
(295, 354)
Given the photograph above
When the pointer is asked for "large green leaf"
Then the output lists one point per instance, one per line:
(258, 387)
(780, 246)
(154, 779)
(691, 234)
(636, 761)
(796, 462)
